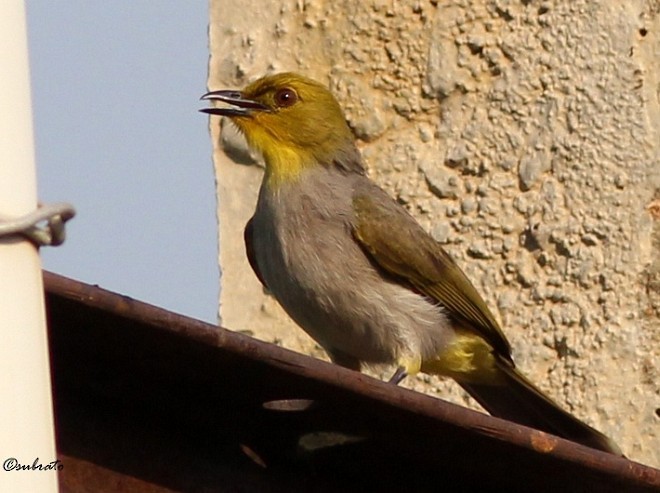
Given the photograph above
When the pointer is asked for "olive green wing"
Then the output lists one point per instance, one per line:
(399, 245)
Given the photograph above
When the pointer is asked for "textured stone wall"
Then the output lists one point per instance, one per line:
(524, 135)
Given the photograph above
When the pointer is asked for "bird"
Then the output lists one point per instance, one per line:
(357, 272)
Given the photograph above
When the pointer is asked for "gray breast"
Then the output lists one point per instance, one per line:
(324, 280)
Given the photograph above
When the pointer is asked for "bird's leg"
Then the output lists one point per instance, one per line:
(398, 376)
(408, 364)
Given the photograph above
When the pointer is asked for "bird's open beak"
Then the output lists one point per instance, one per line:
(240, 106)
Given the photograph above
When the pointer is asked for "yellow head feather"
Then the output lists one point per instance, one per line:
(301, 124)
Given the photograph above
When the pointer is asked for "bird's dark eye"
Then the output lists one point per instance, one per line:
(285, 97)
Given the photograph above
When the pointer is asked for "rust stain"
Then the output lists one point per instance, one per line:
(542, 442)
(256, 458)
(289, 405)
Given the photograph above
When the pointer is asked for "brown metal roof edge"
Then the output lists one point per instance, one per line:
(536, 442)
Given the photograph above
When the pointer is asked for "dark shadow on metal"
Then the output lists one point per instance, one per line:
(150, 401)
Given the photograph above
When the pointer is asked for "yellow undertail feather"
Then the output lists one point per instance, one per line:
(504, 392)
(467, 359)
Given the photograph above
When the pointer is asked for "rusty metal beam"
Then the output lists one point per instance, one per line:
(148, 401)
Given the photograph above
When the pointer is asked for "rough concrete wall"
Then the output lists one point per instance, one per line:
(524, 135)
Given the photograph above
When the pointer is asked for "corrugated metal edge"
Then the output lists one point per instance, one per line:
(639, 477)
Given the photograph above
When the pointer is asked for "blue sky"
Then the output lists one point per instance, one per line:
(115, 90)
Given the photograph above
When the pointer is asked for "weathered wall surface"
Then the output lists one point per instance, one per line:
(524, 135)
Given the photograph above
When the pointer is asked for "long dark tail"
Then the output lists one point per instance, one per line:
(520, 401)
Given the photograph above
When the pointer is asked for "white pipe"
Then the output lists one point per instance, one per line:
(26, 409)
